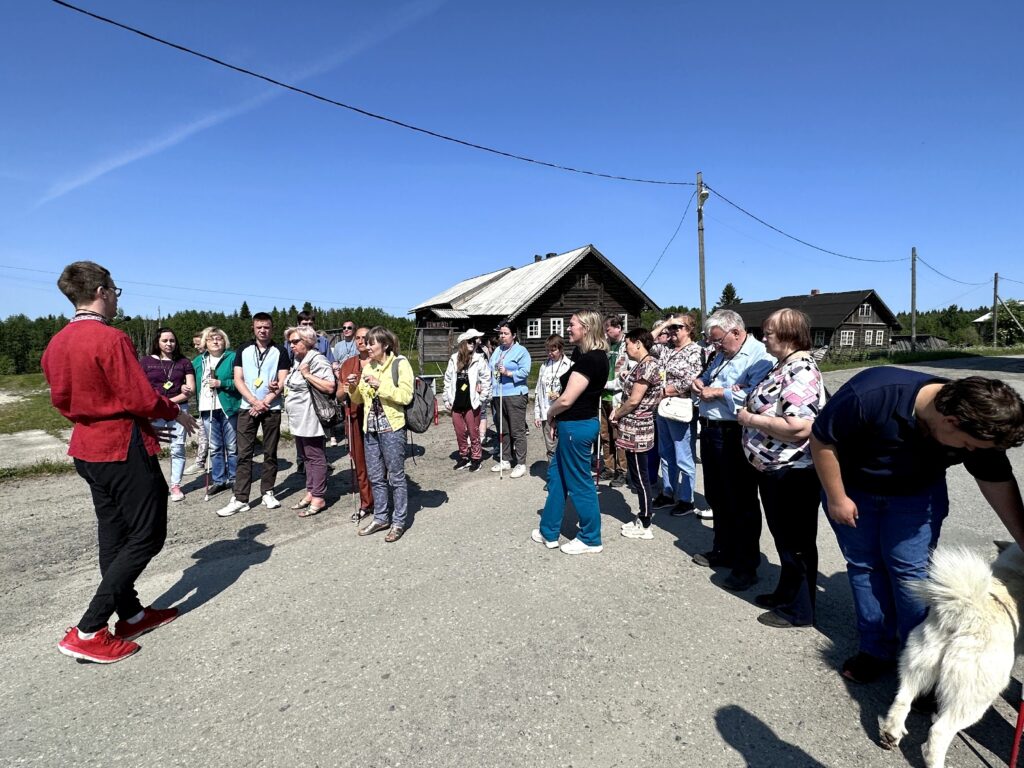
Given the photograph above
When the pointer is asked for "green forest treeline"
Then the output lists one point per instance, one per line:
(23, 340)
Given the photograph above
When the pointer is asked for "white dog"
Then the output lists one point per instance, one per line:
(964, 649)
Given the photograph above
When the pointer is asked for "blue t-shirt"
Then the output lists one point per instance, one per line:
(260, 366)
(880, 445)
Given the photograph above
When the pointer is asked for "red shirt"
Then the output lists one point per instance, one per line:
(96, 382)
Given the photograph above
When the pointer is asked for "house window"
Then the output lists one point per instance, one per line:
(846, 338)
(533, 328)
(868, 336)
(819, 338)
(879, 338)
(864, 310)
(558, 326)
(625, 322)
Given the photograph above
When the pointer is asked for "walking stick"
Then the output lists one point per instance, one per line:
(351, 461)
(597, 477)
(501, 432)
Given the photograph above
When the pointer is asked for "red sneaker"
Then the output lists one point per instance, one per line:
(151, 619)
(104, 648)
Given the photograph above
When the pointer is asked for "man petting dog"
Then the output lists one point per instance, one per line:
(881, 447)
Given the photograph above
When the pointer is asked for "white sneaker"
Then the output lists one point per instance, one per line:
(519, 470)
(194, 469)
(501, 465)
(233, 507)
(541, 540)
(270, 500)
(704, 514)
(577, 547)
(332, 443)
(638, 532)
(176, 494)
(627, 528)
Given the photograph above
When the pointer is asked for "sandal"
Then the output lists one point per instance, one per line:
(310, 510)
(304, 503)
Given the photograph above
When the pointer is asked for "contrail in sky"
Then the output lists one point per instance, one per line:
(400, 21)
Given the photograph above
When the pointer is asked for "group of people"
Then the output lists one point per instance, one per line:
(874, 454)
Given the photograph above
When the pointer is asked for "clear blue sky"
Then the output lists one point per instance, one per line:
(865, 128)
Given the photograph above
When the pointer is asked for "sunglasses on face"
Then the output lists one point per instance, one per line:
(294, 341)
(348, 328)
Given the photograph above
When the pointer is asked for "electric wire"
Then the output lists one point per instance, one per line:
(365, 112)
(797, 239)
(663, 250)
(942, 274)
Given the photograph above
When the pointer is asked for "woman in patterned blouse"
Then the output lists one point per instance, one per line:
(681, 362)
(776, 424)
(641, 390)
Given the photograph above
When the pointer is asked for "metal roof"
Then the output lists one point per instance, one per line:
(828, 310)
(449, 314)
(461, 290)
(513, 290)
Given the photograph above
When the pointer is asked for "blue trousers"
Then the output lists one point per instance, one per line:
(385, 467)
(890, 547)
(569, 474)
(223, 445)
(677, 444)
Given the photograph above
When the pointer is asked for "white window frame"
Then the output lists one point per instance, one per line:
(557, 325)
(819, 338)
(864, 310)
(533, 326)
(846, 338)
(868, 337)
(625, 321)
(879, 338)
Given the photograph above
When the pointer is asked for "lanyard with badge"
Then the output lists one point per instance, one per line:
(260, 359)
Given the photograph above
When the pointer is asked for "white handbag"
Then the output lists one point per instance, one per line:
(676, 409)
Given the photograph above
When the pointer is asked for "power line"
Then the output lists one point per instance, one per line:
(797, 239)
(1011, 280)
(663, 250)
(953, 279)
(364, 112)
(192, 289)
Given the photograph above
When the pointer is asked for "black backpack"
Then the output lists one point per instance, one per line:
(422, 410)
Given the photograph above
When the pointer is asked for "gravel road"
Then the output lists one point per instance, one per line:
(464, 644)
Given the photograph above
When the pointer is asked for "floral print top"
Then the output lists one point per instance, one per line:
(636, 429)
(793, 388)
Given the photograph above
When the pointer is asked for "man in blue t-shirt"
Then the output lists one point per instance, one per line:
(881, 447)
(260, 370)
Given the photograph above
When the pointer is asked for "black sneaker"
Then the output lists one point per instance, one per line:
(217, 488)
(710, 559)
(740, 580)
(682, 508)
(618, 480)
(462, 463)
(661, 501)
(474, 465)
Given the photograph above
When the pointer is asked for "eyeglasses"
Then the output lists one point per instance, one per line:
(294, 341)
(348, 327)
(117, 291)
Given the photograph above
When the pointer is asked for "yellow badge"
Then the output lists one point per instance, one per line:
(465, 387)
(168, 385)
(286, 391)
(258, 383)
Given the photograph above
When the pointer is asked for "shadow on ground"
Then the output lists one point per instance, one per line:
(757, 742)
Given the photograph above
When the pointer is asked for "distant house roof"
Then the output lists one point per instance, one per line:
(827, 310)
(509, 292)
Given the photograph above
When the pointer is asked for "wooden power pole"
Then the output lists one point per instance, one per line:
(995, 310)
(913, 299)
(701, 197)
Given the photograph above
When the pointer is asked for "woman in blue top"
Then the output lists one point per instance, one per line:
(510, 367)
(574, 418)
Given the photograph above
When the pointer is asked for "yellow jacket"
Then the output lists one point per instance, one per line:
(392, 398)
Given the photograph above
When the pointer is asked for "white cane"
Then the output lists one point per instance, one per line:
(597, 478)
(501, 433)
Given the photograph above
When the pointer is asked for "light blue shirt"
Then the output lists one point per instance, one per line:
(343, 350)
(745, 369)
(517, 362)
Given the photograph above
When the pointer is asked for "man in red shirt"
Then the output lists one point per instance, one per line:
(96, 382)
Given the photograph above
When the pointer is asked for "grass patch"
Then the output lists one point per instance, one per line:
(33, 411)
(22, 383)
(40, 469)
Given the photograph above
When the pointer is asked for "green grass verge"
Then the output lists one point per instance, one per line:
(40, 469)
(27, 382)
(32, 411)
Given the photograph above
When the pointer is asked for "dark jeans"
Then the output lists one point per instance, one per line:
(130, 498)
(730, 486)
(640, 479)
(791, 498)
(247, 428)
(312, 454)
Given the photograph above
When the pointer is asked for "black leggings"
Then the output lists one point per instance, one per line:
(636, 465)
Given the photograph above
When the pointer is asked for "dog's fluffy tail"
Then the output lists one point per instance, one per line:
(959, 582)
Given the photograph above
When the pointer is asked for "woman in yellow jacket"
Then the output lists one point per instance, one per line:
(384, 402)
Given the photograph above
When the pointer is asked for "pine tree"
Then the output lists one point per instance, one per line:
(244, 312)
(729, 296)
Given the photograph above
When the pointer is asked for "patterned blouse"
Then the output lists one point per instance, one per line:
(793, 389)
(680, 366)
(636, 429)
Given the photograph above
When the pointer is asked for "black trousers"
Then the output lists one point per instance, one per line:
(791, 498)
(730, 486)
(130, 498)
(640, 479)
(248, 425)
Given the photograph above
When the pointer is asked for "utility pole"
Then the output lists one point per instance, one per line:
(702, 195)
(913, 299)
(995, 310)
